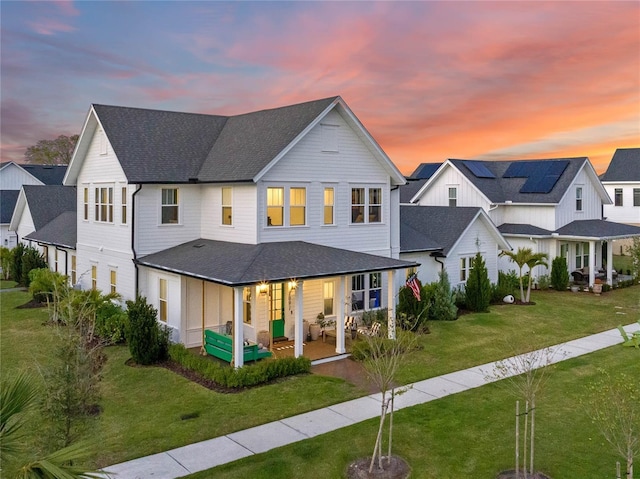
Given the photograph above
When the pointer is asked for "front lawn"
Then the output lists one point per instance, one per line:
(142, 407)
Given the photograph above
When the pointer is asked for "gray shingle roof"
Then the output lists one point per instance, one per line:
(600, 229)
(500, 189)
(425, 228)
(410, 188)
(8, 200)
(48, 174)
(624, 166)
(173, 147)
(61, 231)
(520, 229)
(49, 201)
(238, 264)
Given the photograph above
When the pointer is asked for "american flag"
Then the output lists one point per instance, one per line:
(414, 284)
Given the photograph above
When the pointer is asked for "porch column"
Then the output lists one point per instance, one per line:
(391, 304)
(340, 312)
(298, 329)
(610, 263)
(238, 337)
(592, 262)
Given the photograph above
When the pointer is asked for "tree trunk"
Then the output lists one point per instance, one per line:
(533, 427)
(517, 437)
(376, 448)
(524, 440)
(391, 425)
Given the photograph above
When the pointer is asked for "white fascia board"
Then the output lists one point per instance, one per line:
(79, 152)
(437, 173)
(497, 236)
(604, 196)
(17, 211)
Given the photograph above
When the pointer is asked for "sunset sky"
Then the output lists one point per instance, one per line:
(429, 80)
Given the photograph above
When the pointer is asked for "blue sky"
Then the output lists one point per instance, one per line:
(429, 80)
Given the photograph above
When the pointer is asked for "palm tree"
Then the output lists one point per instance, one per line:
(522, 257)
(17, 396)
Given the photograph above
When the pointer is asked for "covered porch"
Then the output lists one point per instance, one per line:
(266, 294)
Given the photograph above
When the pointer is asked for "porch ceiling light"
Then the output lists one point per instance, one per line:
(293, 284)
(263, 288)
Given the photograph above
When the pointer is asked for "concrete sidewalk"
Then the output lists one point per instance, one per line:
(221, 450)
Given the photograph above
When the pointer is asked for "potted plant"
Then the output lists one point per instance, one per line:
(597, 287)
(322, 322)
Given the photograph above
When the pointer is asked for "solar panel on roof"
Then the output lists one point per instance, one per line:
(479, 169)
(541, 175)
(425, 171)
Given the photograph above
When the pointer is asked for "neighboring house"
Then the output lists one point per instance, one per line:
(12, 177)
(261, 220)
(442, 237)
(622, 182)
(44, 217)
(551, 206)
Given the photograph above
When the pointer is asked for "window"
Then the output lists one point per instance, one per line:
(466, 265)
(112, 280)
(579, 198)
(246, 304)
(275, 206)
(357, 292)
(375, 290)
(227, 208)
(582, 255)
(328, 206)
(276, 304)
(329, 137)
(357, 205)
(564, 250)
(328, 295)
(55, 260)
(85, 200)
(94, 277)
(162, 300)
(375, 205)
(123, 212)
(73, 269)
(636, 197)
(169, 206)
(453, 196)
(104, 205)
(45, 254)
(617, 197)
(297, 206)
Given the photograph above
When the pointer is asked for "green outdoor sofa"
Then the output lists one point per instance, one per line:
(221, 347)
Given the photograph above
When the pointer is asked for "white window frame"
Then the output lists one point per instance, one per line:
(328, 213)
(582, 255)
(103, 201)
(453, 196)
(175, 205)
(579, 198)
(94, 277)
(74, 266)
(246, 304)
(163, 299)
(55, 259)
(374, 205)
(466, 265)
(85, 202)
(362, 205)
(226, 209)
(123, 205)
(297, 204)
(328, 298)
(365, 288)
(636, 197)
(113, 280)
(275, 203)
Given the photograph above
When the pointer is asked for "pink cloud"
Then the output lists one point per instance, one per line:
(50, 26)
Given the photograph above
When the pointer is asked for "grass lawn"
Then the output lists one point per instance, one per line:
(623, 263)
(142, 407)
(467, 435)
(5, 284)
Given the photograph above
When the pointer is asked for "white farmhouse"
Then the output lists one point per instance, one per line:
(622, 182)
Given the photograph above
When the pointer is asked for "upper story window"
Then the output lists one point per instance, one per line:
(297, 206)
(636, 197)
(275, 206)
(617, 196)
(104, 204)
(453, 196)
(227, 208)
(329, 137)
(123, 210)
(362, 202)
(329, 198)
(170, 209)
(85, 202)
(579, 198)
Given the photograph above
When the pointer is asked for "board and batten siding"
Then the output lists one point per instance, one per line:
(542, 216)
(244, 214)
(627, 213)
(438, 192)
(591, 202)
(306, 165)
(151, 235)
(477, 238)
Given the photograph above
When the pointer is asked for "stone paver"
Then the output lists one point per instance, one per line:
(214, 452)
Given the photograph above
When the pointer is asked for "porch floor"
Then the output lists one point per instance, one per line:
(314, 350)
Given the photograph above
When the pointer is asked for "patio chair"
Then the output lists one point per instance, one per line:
(633, 340)
(374, 330)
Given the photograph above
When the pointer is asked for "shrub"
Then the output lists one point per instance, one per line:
(370, 317)
(111, 322)
(508, 283)
(362, 350)
(148, 340)
(246, 376)
(16, 263)
(6, 259)
(412, 314)
(44, 283)
(544, 282)
(442, 305)
(559, 274)
(31, 259)
(478, 288)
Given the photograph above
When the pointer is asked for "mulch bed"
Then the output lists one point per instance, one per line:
(396, 468)
(32, 304)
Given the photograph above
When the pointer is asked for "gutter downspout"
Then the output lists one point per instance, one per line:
(435, 255)
(66, 260)
(133, 229)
